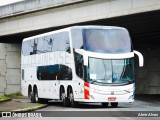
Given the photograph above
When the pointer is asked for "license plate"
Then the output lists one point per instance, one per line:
(112, 99)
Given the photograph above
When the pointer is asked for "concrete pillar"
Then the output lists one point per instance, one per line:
(13, 68)
(3, 68)
(9, 68)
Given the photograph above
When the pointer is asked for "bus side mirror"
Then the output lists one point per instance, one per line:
(140, 56)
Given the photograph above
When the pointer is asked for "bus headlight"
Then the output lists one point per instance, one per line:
(130, 90)
(131, 97)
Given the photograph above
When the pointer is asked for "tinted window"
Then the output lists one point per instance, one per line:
(49, 43)
(81, 70)
(77, 38)
(107, 40)
(54, 72)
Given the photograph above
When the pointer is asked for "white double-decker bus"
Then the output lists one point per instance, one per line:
(79, 64)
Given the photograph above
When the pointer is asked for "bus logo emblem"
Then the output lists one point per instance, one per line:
(112, 93)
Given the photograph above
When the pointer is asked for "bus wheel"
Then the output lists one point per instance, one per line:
(114, 104)
(34, 96)
(64, 99)
(104, 105)
(72, 102)
(33, 100)
(29, 92)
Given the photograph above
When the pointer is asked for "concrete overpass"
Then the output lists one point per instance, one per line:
(31, 17)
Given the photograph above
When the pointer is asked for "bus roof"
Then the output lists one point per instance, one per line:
(73, 27)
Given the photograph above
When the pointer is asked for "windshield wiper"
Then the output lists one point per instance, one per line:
(127, 82)
(130, 82)
(92, 81)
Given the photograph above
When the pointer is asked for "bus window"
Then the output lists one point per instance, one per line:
(27, 48)
(81, 70)
(77, 39)
(54, 72)
(107, 40)
(49, 43)
(63, 43)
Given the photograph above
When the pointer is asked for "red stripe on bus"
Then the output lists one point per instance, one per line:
(86, 91)
(86, 84)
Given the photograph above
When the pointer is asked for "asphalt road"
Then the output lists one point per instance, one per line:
(138, 105)
(96, 111)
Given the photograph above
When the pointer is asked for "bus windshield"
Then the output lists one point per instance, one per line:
(111, 71)
(107, 40)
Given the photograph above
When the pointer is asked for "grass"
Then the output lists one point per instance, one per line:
(3, 98)
(37, 105)
(34, 107)
(14, 95)
(10, 96)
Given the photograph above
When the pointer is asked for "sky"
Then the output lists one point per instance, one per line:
(5, 2)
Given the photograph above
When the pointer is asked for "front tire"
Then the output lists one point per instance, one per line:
(114, 104)
(104, 105)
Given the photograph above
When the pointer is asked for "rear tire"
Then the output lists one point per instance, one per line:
(34, 96)
(114, 104)
(73, 103)
(64, 98)
(29, 92)
(104, 105)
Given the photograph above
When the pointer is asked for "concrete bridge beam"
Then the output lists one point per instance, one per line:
(78, 11)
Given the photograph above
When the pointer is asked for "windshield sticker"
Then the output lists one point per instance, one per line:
(93, 76)
(115, 76)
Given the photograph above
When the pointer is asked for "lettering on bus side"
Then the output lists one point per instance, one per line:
(54, 72)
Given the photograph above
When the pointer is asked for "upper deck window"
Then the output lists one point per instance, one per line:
(49, 43)
(107, 40)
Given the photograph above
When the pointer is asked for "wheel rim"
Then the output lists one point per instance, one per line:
(29, 95)
(71, 96)
(63, 96)
(36, 97)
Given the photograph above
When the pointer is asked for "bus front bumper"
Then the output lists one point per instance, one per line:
(93, 97)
